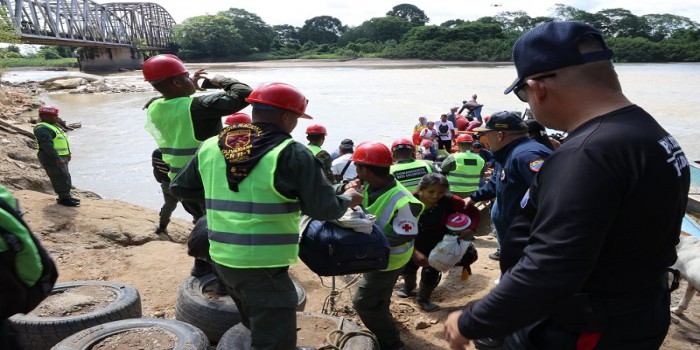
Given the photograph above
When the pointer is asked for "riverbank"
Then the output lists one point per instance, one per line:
(114, 240)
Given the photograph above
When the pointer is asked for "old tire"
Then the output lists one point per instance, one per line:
(41, 333)
(188, 336)
(213, 317)
(238, 337)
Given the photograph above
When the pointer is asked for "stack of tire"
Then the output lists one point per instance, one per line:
(214, 316)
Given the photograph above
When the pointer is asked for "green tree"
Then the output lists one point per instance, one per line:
(8, 33)
(13, 48)
(286, 34)
(619, 22)
(453, 23)
(410, 13)
(664, 25)
(257, 35)
(378, 29)
(321, 30)
(212, 37)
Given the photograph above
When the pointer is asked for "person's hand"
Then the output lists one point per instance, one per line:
(466, 233)
(355, 197)
(61, 162)
(355, 183)
(452, 335)
(199, 74)
(468, 202)
(70, 157)
(419, 258)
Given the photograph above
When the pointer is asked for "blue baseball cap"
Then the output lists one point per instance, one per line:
(504, 121)
(554, 45)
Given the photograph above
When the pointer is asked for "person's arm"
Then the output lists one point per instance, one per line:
(563, 245)
(216, 105)
(187, 184)
(44, 137)
(299, 175)
(449, 164)
(326, 165)
(488, 190)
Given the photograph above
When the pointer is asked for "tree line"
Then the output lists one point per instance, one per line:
(238, 35)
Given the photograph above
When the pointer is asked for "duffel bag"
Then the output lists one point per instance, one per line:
(331, 250)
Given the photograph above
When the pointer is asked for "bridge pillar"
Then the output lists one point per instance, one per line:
(109, 58)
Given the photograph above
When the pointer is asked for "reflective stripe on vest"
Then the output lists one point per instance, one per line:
(28, 266)
(60, 141)
(384, 208)
(314, 149)
(170, 124)
(409, 174)
(465, 177)
(256, 227)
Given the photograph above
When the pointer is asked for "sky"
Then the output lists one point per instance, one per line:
(354, 12)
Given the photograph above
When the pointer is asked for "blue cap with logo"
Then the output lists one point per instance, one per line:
(554, 45)
(504, 121)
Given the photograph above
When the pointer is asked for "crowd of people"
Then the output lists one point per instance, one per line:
(571, 278)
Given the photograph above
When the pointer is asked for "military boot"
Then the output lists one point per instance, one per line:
(423, 298)
(409, 284)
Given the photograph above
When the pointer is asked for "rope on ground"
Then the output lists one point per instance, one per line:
(403, 312)
(329, 307)
(338, 338)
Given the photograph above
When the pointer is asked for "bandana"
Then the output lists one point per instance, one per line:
(243, 145)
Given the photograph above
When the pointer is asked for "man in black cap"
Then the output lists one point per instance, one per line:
(585, 262)
(518, 158)
(337, 152)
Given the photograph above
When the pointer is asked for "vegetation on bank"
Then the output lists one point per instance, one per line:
(238, 35)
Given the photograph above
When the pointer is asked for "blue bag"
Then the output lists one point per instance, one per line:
(331, 250)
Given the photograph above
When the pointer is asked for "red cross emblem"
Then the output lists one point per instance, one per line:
(407, 227)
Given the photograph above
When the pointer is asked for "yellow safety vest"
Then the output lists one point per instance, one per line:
(409, 174)
(170, 124)
(256, 227)
(60, 141)
(384, 208)
(466, 176)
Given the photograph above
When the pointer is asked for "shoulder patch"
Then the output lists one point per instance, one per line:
(536, 164)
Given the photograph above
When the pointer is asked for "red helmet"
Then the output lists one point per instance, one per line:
(372, 153)
(238, 118)
(48, 110)
(280, 95)
(402, 144)
(426, 143)
(162, 66)
(465, 138)
(317, 129)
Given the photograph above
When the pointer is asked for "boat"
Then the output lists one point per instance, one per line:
(690, 227)
(694, 193)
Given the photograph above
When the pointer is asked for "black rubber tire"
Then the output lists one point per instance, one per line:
(213, 317)
(238, 337)
(41, 333)
(188, 336)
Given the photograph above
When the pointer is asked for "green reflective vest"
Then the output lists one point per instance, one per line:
(466, 176)
(256, 227)
(384, 208)
(27, 261)
(60, 141)
(170, 124)
(409, 174)
(314, 149)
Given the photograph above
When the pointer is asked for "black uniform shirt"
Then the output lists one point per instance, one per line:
(603, 217)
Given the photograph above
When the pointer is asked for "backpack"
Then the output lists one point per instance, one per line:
(17, 295)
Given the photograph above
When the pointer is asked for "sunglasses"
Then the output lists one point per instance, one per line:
(520, 91)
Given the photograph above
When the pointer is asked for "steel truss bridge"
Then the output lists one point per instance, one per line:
(84, 23)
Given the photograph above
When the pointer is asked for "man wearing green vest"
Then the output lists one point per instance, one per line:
(27, 272)
(406, 168)
(179, 123)
(256, 182)
(53, 151)
(463, 169)
(397, 212)
(316, 135)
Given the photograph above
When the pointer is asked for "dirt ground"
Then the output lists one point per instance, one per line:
(114, 240)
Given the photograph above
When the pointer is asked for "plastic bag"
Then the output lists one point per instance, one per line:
(357, 220)
(447, 253)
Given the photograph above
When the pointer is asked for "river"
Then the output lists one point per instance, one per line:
(111, 152)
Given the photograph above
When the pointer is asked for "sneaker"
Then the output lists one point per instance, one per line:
(495, 256)
(488, 343)
(427, 306)
(68, 201)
